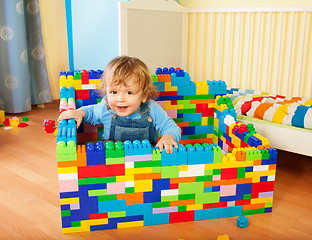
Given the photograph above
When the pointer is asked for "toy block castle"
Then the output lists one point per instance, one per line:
(221, 169)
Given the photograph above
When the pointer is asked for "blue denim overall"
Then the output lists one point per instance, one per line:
(123, 129)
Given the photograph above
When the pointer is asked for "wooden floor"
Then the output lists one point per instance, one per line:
(29, 199)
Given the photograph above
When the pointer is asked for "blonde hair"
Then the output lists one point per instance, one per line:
(121, 68)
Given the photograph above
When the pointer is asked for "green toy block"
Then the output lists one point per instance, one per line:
(195, 124)
(169, 198)
(191, 187)
(129, 190)
(116, 214)
(98, 192)
(75, 224)
(156, 155)
(241, 172)
(170, 172)
(186, 196)
(65, 213)
(25, 119)
(190, 110)
(77, 76)
(217, 154)
(114, 150)
(204, 178)
(112, 161)
(216, 171)
(147, 164)
(247, 196)
(106, 179)
(211, 197)
(161, 204)
(182, 208)
(103, 198)
(63, 148)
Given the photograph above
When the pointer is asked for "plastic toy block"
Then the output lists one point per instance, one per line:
(164, 78)
(199, 154)
(114, 150)
(184, 84)
(217, 87)
(2, 116)
(137, 148)
(242, 222)
(22, 125)
(95, 153)
(24, 119)
(67, 131)
(14, 121)
(82, 94)
(201, 87)
(223, 237)
(178, 157)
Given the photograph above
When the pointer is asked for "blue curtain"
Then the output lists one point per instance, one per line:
(24, 78)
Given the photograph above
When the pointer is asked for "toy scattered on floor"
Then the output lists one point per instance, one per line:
(49, 126)
(231, 172)
(25, 119)
(22, 125)
(242, 222)
(2, 117)
(223, 237)
(14, 121)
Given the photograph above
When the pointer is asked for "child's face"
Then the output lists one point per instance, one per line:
(125, 99)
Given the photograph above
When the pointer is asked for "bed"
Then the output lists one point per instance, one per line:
(249, 48)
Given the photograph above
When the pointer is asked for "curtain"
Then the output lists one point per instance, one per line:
(24, 78)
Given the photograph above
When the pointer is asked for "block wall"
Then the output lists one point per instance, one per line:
(132, 184)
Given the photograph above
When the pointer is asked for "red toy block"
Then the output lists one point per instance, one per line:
(22, 125)
(228, 173)
(174, 102)
(174, 186)
(84, 77)
(215, 205)
(6, 122)
(82, 94)
(261, 187)
(92, 171)
(242, 202)
(98, 215)
(203, 108)
(115, 170)
(175, 217)
(169, 93)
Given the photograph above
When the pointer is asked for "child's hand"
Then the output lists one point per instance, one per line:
(78, 115)
(167, 141)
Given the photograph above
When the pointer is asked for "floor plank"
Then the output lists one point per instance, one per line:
(29, 199)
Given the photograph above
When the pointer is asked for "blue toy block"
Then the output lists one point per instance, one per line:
(155, 219)
(130, 218)
(160, 86)
(137, 147)
(230, 211)
(207, 189)
(192, 117)
(241, 190)
(254, 141)
(112, 224)
(178, 157)
(95, 153)
(189, 130)
(112, 206)
(95, 74)
(169, 98)
(269, 209)
(206, 214)
(249, 169)
(139, 209)
(217, 87)
(208, 129)
(199, 154)
(184, 84)
(161, 184)
(242, 222)
(150, 197)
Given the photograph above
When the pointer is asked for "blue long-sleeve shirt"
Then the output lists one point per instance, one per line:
(99, 114)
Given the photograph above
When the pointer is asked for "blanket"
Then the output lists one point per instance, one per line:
(293, 111)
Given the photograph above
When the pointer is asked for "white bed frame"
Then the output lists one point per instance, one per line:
(157, 31)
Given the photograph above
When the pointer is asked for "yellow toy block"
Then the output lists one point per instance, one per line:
(194, 207)
(223, 237)
(65, 201)
(261, 200)
(97, 82)
(169, 88)
(2, 116)
(77, 84)
(204, 121)
(14, 121)
(143, 185)
(183, 168)
(201, 87)
(130, 224)
(168, 106)
(67, 170)
(63, 81)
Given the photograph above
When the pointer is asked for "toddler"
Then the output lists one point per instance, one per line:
(127, 110)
